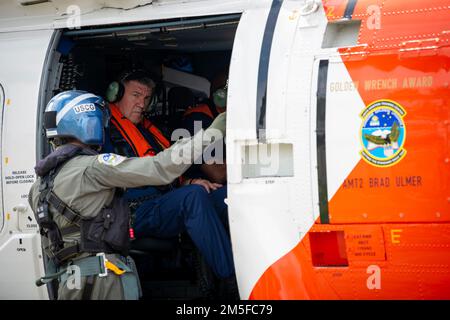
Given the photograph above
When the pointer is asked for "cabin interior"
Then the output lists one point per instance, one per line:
(185, 52)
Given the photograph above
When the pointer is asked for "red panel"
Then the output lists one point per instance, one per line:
(328, 248)
(365, 243)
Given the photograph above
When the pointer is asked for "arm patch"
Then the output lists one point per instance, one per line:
(110, 159)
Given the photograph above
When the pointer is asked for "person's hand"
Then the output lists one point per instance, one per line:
(208, 185)
(219, 123)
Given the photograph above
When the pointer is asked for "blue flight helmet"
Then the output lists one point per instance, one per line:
(77, 114)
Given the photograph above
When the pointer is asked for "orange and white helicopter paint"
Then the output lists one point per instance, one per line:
(338, 141)
(359, 217)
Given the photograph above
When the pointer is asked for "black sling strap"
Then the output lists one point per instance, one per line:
(63, 209)
(58, 250)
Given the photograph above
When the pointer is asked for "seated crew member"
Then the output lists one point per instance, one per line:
(78, 203)
(200, 117)
(194, 208)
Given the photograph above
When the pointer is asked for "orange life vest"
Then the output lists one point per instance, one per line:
(202, 108)
(134, 137)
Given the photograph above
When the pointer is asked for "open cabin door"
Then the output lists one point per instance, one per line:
(2, 108)
(23, 56)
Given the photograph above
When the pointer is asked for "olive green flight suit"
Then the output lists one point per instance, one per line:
(87, 183)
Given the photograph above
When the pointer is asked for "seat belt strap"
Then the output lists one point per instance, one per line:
(114, 268)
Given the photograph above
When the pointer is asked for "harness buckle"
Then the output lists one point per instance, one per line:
(103, 263)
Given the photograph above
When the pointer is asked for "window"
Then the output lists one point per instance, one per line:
(341, 34)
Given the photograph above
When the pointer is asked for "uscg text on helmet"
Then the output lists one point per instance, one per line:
(87, 107)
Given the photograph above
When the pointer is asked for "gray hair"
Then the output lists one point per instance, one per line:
(140, 76)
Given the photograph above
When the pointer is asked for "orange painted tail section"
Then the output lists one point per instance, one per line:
(389, 236)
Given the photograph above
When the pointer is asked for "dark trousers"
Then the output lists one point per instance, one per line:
(190, 208)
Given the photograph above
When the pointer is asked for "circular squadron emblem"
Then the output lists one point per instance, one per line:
(383, 133)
